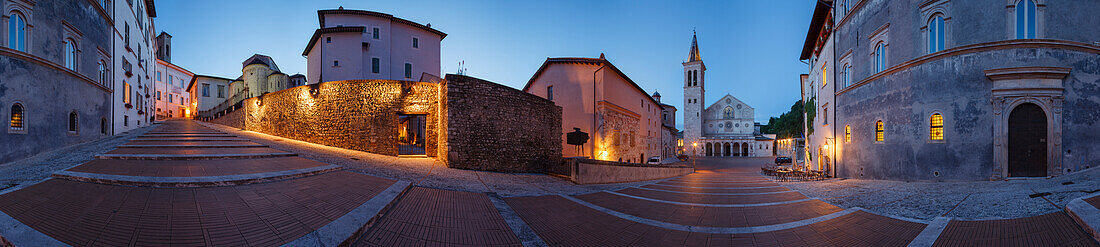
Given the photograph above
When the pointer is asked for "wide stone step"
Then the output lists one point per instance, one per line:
(242, 145)
(193, 156)
(191, 182)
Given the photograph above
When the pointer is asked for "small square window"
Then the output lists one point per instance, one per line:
(328, 39)
(335, 63)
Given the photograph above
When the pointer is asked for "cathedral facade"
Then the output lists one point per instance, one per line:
(724, 128)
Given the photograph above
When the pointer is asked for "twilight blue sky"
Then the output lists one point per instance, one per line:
(750, 48)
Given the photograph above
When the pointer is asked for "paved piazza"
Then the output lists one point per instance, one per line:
(190, 183)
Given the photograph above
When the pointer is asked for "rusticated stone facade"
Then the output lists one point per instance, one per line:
(470, 123)
(359, 114)
(495, 127)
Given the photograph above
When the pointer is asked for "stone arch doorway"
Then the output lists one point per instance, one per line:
(734, 148)
(1027, 141)
(726, 149)
(710, 148)
(745, 149)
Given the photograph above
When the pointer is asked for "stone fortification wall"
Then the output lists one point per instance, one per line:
(496, 127)
(360, 114)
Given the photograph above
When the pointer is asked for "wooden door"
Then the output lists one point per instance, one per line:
(1027, 142)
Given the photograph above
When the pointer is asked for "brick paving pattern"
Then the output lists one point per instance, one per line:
(1095, 201)
(256, 214)
(716, 190)
(561, 222)
(194, 168)
(713, 199)
(1053, 229)
(712, 216)
(435, 217)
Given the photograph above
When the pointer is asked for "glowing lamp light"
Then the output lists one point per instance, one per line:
(826, 146)
(602, 155)
(694, 144)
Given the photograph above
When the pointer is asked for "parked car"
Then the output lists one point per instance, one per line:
(783, 160)
(655, 160)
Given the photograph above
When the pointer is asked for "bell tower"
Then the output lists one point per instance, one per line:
(694, 97)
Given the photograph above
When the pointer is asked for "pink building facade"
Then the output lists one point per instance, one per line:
(359, 44)
(622, 120)
(168, 85)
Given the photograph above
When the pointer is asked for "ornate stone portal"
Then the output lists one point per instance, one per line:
(1012, 87)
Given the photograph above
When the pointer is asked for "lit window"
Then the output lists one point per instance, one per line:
(936, 35)
(1025, 19)
(880, 57)
(824, 77)
(125, 92)
(879, 131)
(70, 54)
(16, 122)
(936, 129)
(17, 32)
(72, 122)
(847, 133)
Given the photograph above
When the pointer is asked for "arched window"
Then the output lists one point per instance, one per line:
(845, 6)
(936, 127)
(880, 131)
(1025, 19)
(847, 133)
(73, 122)
(880, 57)
(687, 78)
(70, 54)
(936, 35)
(102, 68)
(17, 32)
(847, 74)
(16, 122)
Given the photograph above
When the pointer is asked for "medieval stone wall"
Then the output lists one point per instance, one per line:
(470, 123)
(359, 115)
(233, 119)
(498, 128)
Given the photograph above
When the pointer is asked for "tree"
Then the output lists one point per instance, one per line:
(787, 125)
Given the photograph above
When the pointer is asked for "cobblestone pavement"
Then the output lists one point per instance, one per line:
(188, 183)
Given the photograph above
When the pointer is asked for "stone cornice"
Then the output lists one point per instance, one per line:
(975, 48)
(5, 51)
(1027, 73)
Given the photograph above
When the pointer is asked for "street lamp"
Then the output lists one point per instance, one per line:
(694, 146)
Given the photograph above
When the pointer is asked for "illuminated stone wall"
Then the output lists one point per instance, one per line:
(233, 119)
(359, 114)
(471, 123)
(499, 128)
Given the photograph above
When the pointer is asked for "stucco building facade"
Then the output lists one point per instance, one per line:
(56, 88)
(360, 44)
(963, 90)
(726, 127)
(169, 80)
(622, 120)
(259, 75)
(133, 64)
